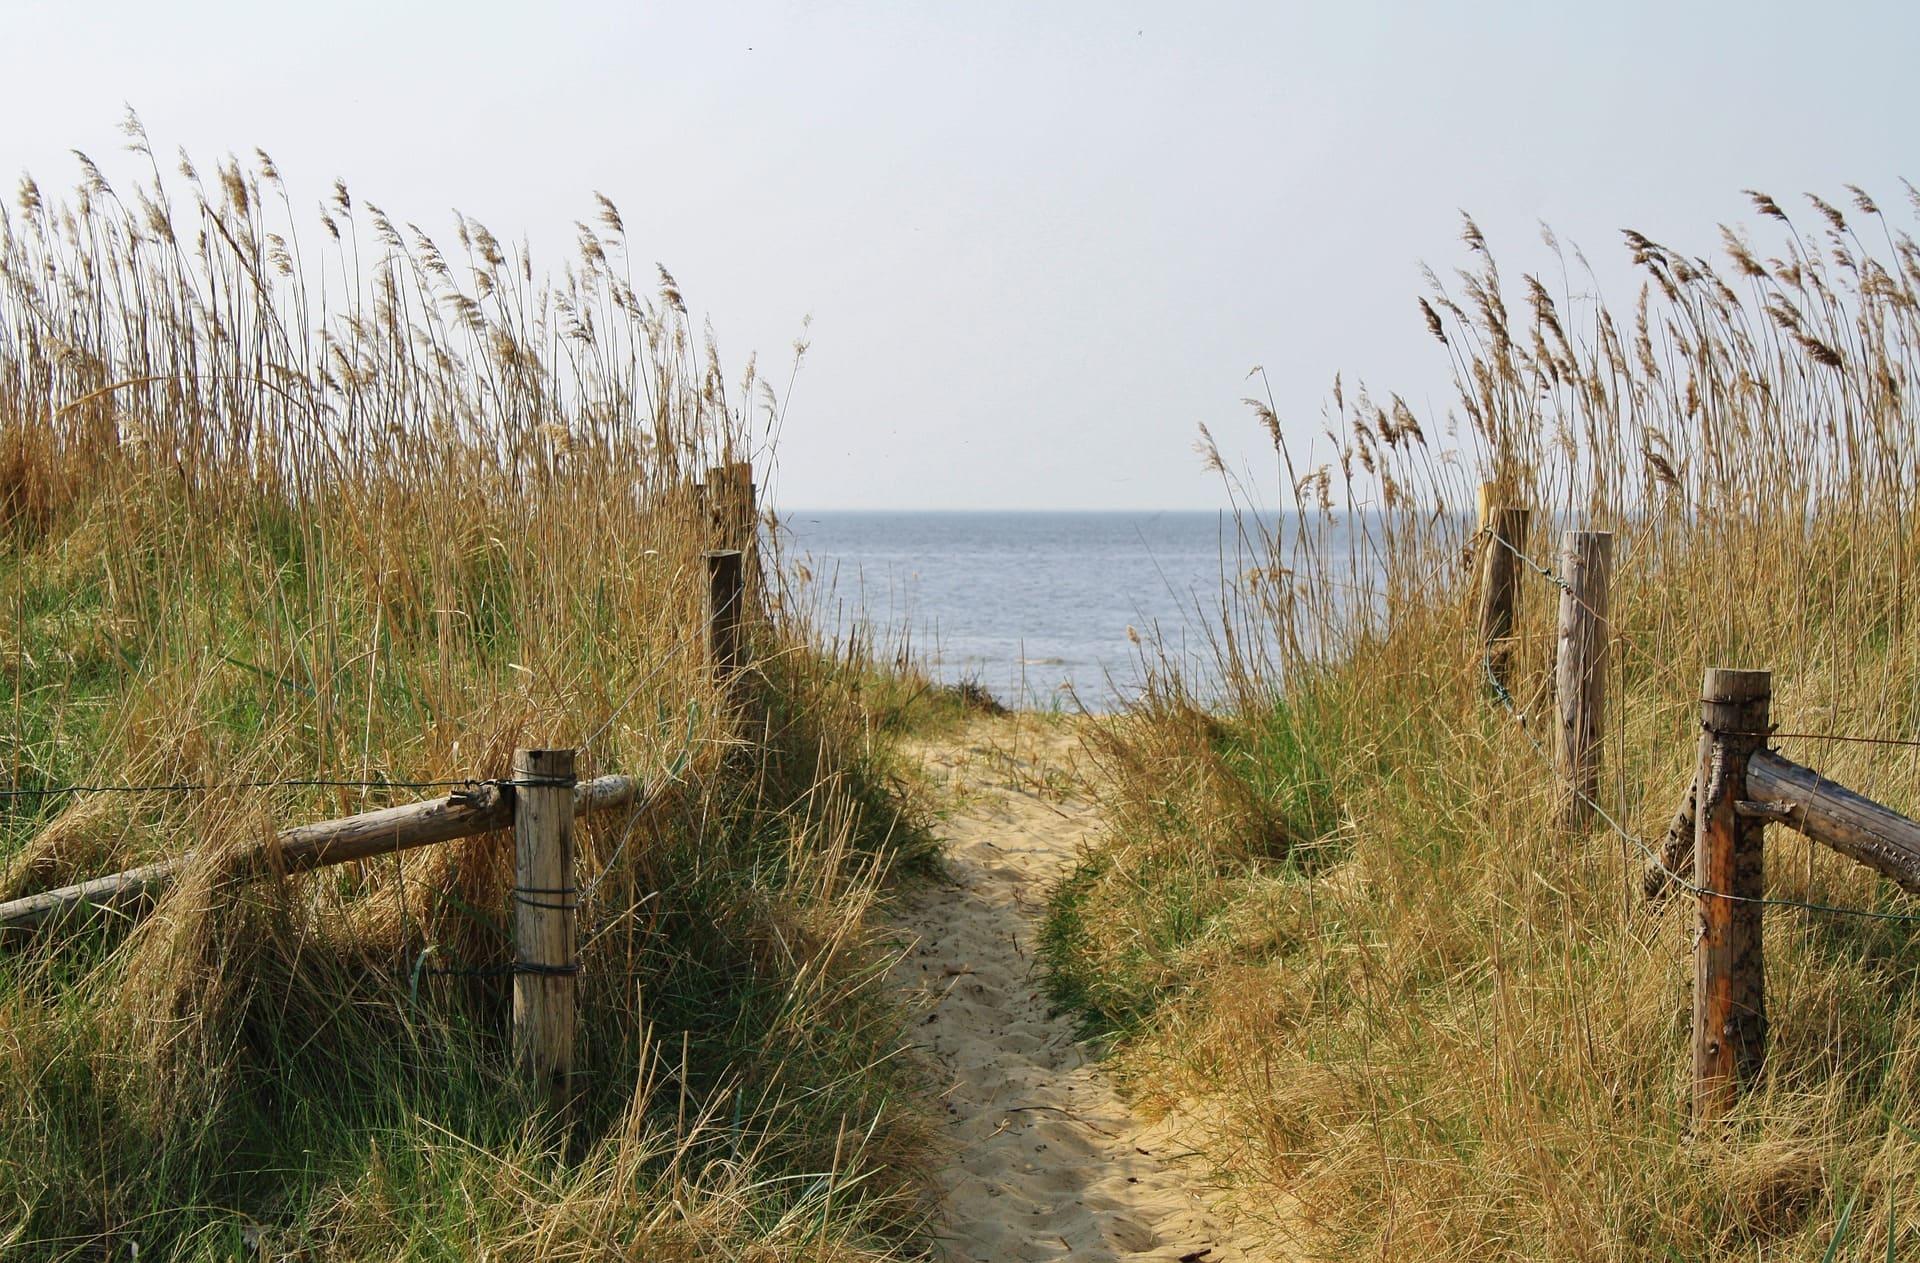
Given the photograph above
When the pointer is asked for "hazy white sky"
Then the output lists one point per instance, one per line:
(1041, 242)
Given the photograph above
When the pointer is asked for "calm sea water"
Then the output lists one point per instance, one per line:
(1035, 606)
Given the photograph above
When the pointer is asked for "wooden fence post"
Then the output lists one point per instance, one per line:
(731, 502)
(543, 935)
(1729, 973)
(725, 598)
(1504, 530)
(1580, 669)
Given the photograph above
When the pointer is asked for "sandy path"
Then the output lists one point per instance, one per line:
(1048, 1162)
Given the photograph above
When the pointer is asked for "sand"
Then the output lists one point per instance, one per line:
(1047, 1160)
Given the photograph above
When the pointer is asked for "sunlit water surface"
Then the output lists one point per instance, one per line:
(1036, 607)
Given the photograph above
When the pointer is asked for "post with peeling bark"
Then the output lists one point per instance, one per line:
(1580, 668)
(1729, 975)
(1503, 532)
(543, 932)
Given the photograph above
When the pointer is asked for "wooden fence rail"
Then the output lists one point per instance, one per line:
(1786, 793)
(486, 808)
(1780, 791)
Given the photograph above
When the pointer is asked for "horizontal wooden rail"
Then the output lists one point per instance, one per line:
(1783, 792)
(1830, 813)
(484, 809)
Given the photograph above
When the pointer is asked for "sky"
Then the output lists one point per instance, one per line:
(1039, 244)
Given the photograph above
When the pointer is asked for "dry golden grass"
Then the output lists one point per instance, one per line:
(364, 509)
(1402, 995)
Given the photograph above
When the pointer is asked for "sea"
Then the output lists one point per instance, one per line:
(1046, 610)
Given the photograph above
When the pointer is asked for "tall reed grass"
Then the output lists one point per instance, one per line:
(341, 503)
(1335, 917)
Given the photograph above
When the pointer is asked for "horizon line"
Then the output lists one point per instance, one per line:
(938, 508)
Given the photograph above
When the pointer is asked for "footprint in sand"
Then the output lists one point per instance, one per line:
(1047, 1161)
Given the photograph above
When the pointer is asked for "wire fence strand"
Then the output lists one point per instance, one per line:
(685, 642)
(1652, 856)
(208, 787)
(18, 792)
(1659, 664)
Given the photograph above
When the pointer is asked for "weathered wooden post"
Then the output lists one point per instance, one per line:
(725, 599)
(1503, 531)
(543, 936)
(1580, 668)
(731, 502)
(734, 519)
(1729, 974)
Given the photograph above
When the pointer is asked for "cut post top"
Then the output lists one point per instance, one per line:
(1729, 685)
(544, 761)
(1571, 540)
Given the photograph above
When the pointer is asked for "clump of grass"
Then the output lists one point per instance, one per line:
(356, 508)
(1459, 1033)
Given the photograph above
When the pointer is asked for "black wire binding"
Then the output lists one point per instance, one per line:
(502, 971)
(525, 902)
